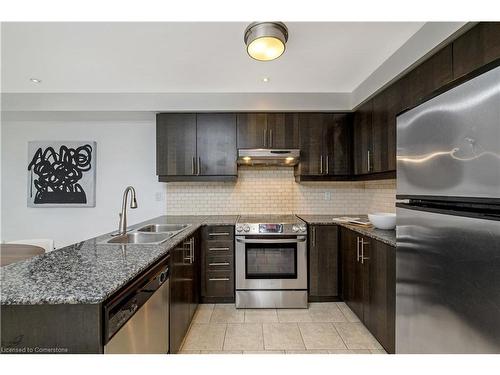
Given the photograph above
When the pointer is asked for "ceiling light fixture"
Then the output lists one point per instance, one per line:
(266, 41)
(35, 80)
(265, 79)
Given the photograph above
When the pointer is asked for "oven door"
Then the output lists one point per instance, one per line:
(271, 262)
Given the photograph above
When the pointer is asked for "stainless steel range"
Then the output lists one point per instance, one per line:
(271, 262)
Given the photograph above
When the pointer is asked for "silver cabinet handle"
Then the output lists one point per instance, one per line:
(321, 164)
(218, 249)
(193, 162)
(192, 250)
(282, 240)
(219, 234)
(271, 138)
(357, 249)
(219, 279)
(368, 159)
(199, 166)
(327, 164)
(265, 137)
(219, 264)
(363, 258)
(313, 236)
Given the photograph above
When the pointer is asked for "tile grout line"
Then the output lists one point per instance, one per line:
(338, 333)
(224, 340)
(301, 337)
(263, 338)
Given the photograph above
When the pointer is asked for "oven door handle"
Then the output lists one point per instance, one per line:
(278, 240)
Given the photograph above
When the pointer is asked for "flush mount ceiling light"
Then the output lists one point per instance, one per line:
(35, 80)
(266, 41)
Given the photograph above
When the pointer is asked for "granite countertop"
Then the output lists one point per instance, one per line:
(385, 236)
(89, 271)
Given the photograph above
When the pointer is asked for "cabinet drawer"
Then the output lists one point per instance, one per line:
(218, 233)
(219, 284)
(222, 263)
(218, 248)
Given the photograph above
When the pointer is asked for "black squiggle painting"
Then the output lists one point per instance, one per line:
(61, 174)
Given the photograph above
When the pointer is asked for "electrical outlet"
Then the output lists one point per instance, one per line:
(327, 196)
(158, 196)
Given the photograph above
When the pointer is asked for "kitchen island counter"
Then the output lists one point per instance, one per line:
(89, 272)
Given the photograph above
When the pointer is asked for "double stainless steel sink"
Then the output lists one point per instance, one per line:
(152, 234)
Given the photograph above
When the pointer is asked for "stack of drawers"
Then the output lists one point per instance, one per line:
(217, 266)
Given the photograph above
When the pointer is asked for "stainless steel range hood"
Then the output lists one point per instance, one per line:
(266, 156)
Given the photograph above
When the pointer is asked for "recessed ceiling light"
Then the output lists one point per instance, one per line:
(35, 80)
(265, 79)
(265, 41)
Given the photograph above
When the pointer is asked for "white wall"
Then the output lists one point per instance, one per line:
(125, 156)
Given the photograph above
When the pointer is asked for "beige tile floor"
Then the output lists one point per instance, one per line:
(324, 328)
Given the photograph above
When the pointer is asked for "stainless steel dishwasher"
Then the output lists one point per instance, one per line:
(136, 321)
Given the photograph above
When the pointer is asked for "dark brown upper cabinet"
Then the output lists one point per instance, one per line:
(363, 139)
(311, 128)
(175, 144)
(325, 146)
(428, 77)
(193, 147)
(386, 106)
(283, 130)
(323, 263)
(338, 144)
(477, 47)
(268, 130)
(216, 144)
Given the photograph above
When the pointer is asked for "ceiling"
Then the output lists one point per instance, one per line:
(199, 57)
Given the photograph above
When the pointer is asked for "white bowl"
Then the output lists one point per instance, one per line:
(383, 220)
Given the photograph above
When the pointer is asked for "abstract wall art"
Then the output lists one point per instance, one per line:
(61, 173)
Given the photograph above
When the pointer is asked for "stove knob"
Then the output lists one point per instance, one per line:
(295, 228)
(303, 227)
(246, 228)
(239, 228)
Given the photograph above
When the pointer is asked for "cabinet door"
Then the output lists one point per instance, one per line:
(338, 144)
(352, 272)
(175, 144)
(252, 130)
(283, 130)
(216, 144)
(179, 297)
(429, 76)
(379, 314)
(311, 134)
(362, 139)
(194, 276)
(386, 106)
(477, 47)
(323, 262)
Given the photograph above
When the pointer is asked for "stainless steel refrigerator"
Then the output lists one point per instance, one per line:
(448, 222)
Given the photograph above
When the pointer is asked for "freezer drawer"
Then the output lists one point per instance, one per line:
(447, 283)
(450, 145)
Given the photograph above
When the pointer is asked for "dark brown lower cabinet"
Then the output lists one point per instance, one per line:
(323, 263)
(184, 289)
(217, 264)
(353, 278)
(369, 284)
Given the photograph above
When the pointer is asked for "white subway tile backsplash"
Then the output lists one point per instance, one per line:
(274, 190)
